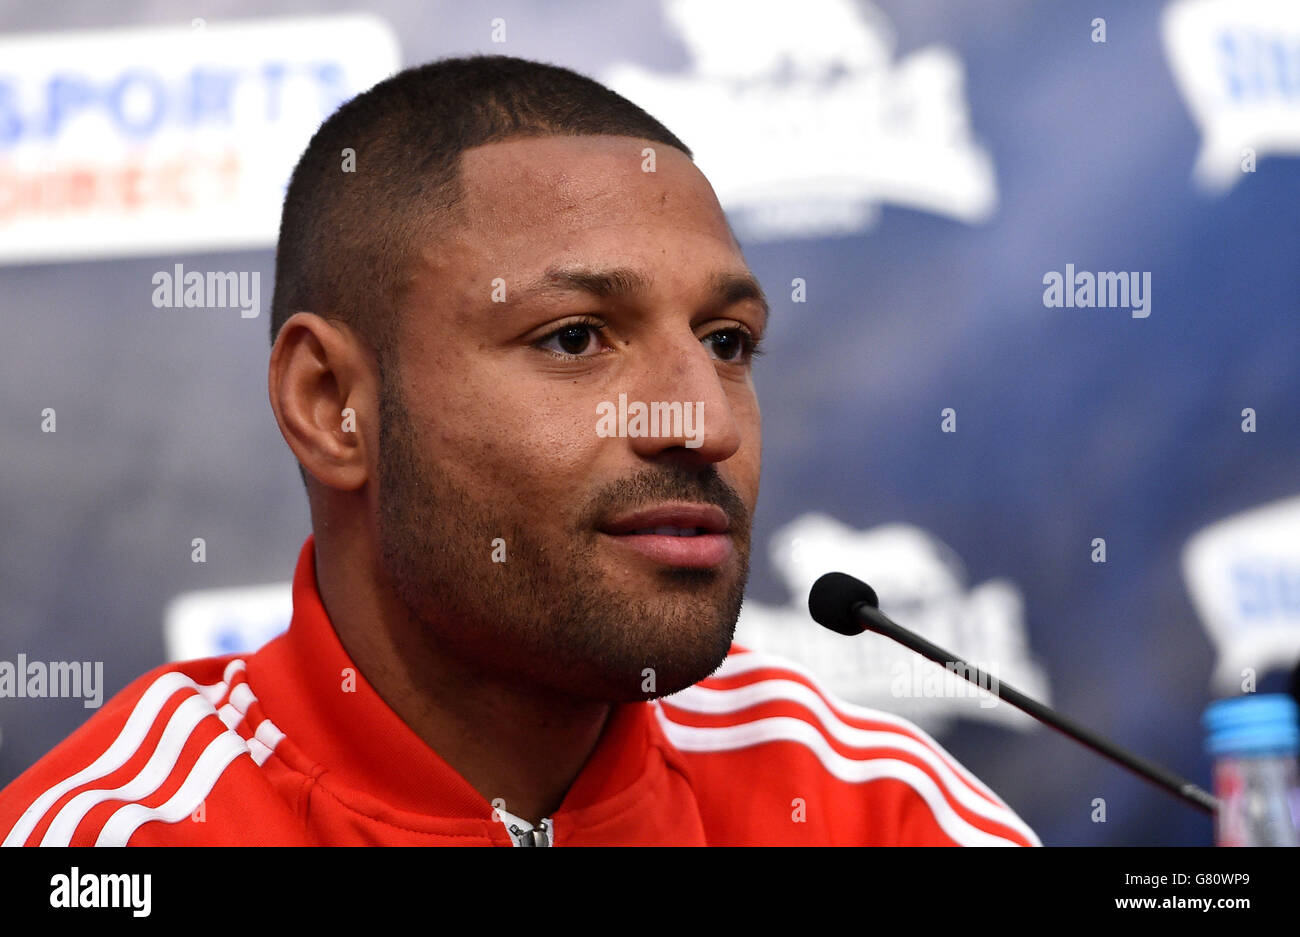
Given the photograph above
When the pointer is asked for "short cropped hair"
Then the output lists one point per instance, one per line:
(346, 237)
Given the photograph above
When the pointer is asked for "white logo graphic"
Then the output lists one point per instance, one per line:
(215, 622)
(1236, 63)
(921, 584)
(168, 139)
(804, 123)
(1243, 574)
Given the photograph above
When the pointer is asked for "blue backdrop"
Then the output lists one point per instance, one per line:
(1072, 423)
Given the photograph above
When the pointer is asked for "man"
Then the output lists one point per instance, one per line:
(512, 353)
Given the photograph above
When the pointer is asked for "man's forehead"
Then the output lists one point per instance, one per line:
(529, 180)
(530, 203)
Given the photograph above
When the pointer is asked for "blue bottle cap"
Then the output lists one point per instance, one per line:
(1253, 725)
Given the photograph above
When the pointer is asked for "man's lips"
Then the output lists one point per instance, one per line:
(683, 535)
(685, 516)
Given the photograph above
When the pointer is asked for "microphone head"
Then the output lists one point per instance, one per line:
(832, 598)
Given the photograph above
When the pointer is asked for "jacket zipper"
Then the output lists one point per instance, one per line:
(539, 835)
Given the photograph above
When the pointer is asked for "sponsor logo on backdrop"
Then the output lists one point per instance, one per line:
(921, 583)
(1237, 63)
(215, 622)
(1243, 574)
(804, 121)
(132, 142)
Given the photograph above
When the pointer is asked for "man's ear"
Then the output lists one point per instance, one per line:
(324, 390)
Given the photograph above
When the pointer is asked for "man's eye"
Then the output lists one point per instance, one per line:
(733, 344)
(573, 340)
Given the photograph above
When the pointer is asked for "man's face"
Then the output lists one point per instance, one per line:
(571, 279)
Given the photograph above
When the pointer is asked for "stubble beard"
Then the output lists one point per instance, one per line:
(545, 617)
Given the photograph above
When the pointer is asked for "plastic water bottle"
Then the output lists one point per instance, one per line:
(1254, 741)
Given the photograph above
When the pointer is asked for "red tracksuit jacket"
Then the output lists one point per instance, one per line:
(268, 748)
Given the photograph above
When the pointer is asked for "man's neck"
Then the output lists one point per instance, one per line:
(521, 745)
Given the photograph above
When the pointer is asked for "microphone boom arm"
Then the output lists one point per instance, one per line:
(1171, 782)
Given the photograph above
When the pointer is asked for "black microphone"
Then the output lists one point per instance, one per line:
(849, 606)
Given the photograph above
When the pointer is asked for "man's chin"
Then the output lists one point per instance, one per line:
(659, 671)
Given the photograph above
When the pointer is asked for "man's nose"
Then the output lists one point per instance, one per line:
(684, 406)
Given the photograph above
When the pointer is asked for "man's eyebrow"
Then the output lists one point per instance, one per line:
(737, 287)
(625, 283)
(613, 283)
